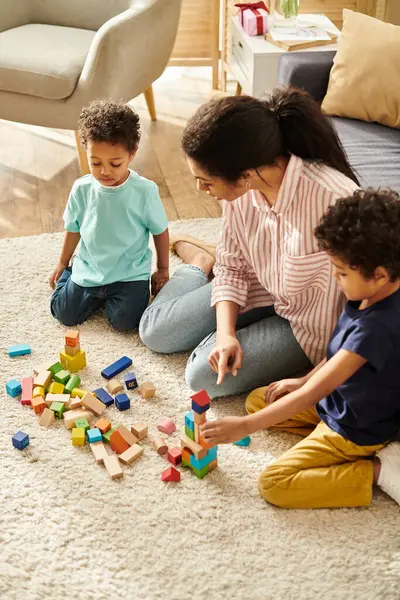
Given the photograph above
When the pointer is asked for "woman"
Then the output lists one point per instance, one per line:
(268, 314)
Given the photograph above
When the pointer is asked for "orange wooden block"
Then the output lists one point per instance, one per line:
(117, 442)
(186, 455)
(103, 424)
(38, 404)
(203, 443)
(160, 445)
(72, 337)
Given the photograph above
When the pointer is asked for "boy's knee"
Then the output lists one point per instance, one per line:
(123, 323)
(255, 400)
(273, 487)
(65, 317)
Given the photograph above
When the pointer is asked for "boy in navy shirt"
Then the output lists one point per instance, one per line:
(349, 405)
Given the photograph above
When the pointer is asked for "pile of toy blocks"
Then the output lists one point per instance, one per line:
(196, 453)
(54, 393)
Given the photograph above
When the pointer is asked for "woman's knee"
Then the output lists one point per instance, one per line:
(273, 486)
(199, 375)
(155, 333)
(255, 400)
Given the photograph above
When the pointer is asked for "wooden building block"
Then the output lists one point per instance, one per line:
(171, 474)
(203, 443)
(118, 443)
(213, 465)
(58, 408)
(72, 350)
(82, 423)
(42, 379)
(78, 436)
(200, 419)
(46, 366)
(128, 436)
(197, 433)
(62, 376)
(94, 435)
(50, 398)
(175, 456)
(114, 386)
(75, 403)
(47, 418)
(159, 445)
(19, 350)
(201, 398)
(186, 453)
(198, 451)
(73, 382)
(73, 363)
(166, 426)
(78, 392)
(56, 388)
(72, 337)
(147, 390)
(103, 424)
(113, 467)
(99, 451)
(120, 365)
(38, 405)
(140, 430)
(71, 416)
(27, 389)
(38, 391)
(93, 404)
(131, 454)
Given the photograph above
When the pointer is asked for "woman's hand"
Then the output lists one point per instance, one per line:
(158, 280)
(226, 356)
(224, 431)
(277, 389)
(55, 276)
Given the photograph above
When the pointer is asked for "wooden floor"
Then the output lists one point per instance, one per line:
(38, 166)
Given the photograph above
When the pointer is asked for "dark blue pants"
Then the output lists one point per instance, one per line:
(124, 302)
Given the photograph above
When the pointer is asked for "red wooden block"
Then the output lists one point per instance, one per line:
(201, 398)
(171, 474)
(27, 388)
(175, 456)
(117, 442)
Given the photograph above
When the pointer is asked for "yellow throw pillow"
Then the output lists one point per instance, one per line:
(365, 79)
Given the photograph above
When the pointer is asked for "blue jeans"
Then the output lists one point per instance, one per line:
(124, 301)
(181, 318)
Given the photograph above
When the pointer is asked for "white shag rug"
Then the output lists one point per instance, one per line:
(68, 531)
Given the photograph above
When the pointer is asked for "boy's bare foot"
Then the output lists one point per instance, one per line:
(193, 255)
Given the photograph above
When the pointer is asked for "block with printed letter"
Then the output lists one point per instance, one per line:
(72, 337)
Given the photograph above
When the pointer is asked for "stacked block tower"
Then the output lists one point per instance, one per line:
(73, 358)
(196, 453)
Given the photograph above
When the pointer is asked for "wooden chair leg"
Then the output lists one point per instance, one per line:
(238, 89)
(148, 94)
(83, 161)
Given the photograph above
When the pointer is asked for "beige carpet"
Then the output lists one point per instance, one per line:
(68, 531)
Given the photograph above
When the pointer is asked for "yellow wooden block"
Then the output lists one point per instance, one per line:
(78, 436)
(78, 392)
(38, 391)
(56, 388)
(73, 363)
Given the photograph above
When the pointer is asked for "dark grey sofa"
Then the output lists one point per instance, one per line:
(373, 149)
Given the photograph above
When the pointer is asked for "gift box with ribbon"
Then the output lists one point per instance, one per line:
(254, 17)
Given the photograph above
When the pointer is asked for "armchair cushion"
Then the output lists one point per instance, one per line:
(43, 60)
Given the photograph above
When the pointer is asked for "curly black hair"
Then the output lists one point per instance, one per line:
(109, 121)
(363, 230)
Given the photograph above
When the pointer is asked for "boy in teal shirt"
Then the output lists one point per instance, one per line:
(110, 214)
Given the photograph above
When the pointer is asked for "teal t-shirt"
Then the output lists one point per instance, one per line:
(115, 224)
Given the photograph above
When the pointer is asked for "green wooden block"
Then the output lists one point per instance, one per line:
(189, 433)
(73, 382)
(107, 435)
(82, 424)
(56, 368)
(58, 408)
(62, 376)
(200, 472)
(185, 463)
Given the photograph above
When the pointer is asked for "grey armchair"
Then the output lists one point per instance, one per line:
(57, 55)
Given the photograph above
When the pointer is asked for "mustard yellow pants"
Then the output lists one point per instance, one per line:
(323, 470)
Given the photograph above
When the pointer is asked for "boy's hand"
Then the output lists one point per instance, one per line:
(158, 280)
(55, 276)
(224, 431)
(277, 389)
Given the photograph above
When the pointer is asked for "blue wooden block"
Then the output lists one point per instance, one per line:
(243, 442)
(104, 396)
(19, 350)
(209, 457)
(199, 409)
(94, 435)
(130, 381)
(189, 420)
(20, 440)
(113, 370)
(14, 388)
(122, 402)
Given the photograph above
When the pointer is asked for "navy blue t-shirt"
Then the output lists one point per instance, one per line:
(366, 408)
